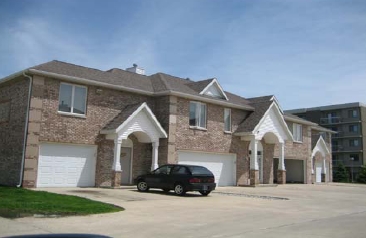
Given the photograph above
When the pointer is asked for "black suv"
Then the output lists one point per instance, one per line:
(178, 177)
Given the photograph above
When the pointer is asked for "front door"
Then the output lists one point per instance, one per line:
(126, 165)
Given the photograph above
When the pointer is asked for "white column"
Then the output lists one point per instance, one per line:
(155, 151)
(117, 155)
(312, 165)
(281, 160)
(253, 156)
(324, 167)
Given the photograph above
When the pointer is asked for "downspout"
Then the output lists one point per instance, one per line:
(25, 129)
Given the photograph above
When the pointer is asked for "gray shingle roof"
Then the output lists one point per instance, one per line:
(122, 116)
(155, 83)
(114, 76)
(254, 118)
(200, 85)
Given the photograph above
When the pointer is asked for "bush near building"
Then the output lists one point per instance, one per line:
(340, 174)
(362, 175)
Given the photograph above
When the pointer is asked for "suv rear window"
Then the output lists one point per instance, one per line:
(198, 170)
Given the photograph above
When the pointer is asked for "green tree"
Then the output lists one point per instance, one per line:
(341, 174)
(362, 175)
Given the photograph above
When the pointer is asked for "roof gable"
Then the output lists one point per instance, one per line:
(214, 89)
(273, 122)
(321, 147)
(267, 118)
(141, 119)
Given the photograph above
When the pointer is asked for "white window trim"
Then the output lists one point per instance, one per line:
(198, 115)
(230, 124)
(72, 100)
(294, 130)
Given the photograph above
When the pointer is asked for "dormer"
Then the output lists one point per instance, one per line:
(213, 89)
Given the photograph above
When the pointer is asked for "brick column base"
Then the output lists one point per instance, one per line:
(313, 178)
(281, 176)
(116, 179)
(323, 178)
(254, 177)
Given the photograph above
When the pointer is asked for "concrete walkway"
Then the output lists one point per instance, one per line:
(283, 211)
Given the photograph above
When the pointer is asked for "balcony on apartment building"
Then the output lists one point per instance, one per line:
(346, 134)
(337, 120)
(345, 149)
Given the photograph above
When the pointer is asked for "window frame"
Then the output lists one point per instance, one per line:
(295, 131)
(230, 122)
(353, 144)
(352, 113)
(198, 109)
(354, 127)
(72, 100)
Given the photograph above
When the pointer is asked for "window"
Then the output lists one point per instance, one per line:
(354, 142)
(197, 114)
(352, 113)
(163, 169)
(227, 119)
(353, 128)
(179, 170)
(297, 132)
(199, 170)
(72, 99)
(354, 157)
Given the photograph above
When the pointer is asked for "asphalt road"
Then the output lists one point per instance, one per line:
(284, 211)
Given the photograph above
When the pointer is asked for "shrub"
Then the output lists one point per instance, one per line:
(341, 174)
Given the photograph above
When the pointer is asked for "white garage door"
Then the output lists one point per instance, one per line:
(62, 165)
(221, 165)
(318, 172)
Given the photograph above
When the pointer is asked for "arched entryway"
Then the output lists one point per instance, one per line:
(320, 166)
(142, 125)
(261, 162)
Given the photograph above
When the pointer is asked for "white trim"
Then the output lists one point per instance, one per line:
(72, 99)
(228, 131)
(295, 131)
(276, 101)
(198, 106)
(214, 81)
(72, 114)
(280, 118)
(197, 128)
(320, 146)
(131, 117)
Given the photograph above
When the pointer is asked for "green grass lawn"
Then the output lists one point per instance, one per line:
(15, 201)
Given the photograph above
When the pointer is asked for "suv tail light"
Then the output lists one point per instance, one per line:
(195, 180)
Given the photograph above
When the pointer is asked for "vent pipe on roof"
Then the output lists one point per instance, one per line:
(136, 69)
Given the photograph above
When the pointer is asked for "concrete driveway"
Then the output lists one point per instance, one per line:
(285, 211)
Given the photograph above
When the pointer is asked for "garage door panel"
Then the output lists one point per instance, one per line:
(221, 165)
(62, 165)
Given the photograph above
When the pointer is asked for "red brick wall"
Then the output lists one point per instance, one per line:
(101, 109)
(13, 94)
(213, 139)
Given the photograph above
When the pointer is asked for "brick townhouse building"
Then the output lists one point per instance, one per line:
(64, 125)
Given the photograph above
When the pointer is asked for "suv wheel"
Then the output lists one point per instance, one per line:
(142, 186)
(179, 189)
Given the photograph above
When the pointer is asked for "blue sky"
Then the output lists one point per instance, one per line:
(306, 52)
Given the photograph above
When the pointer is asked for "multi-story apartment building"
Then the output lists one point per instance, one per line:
(349, 121)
